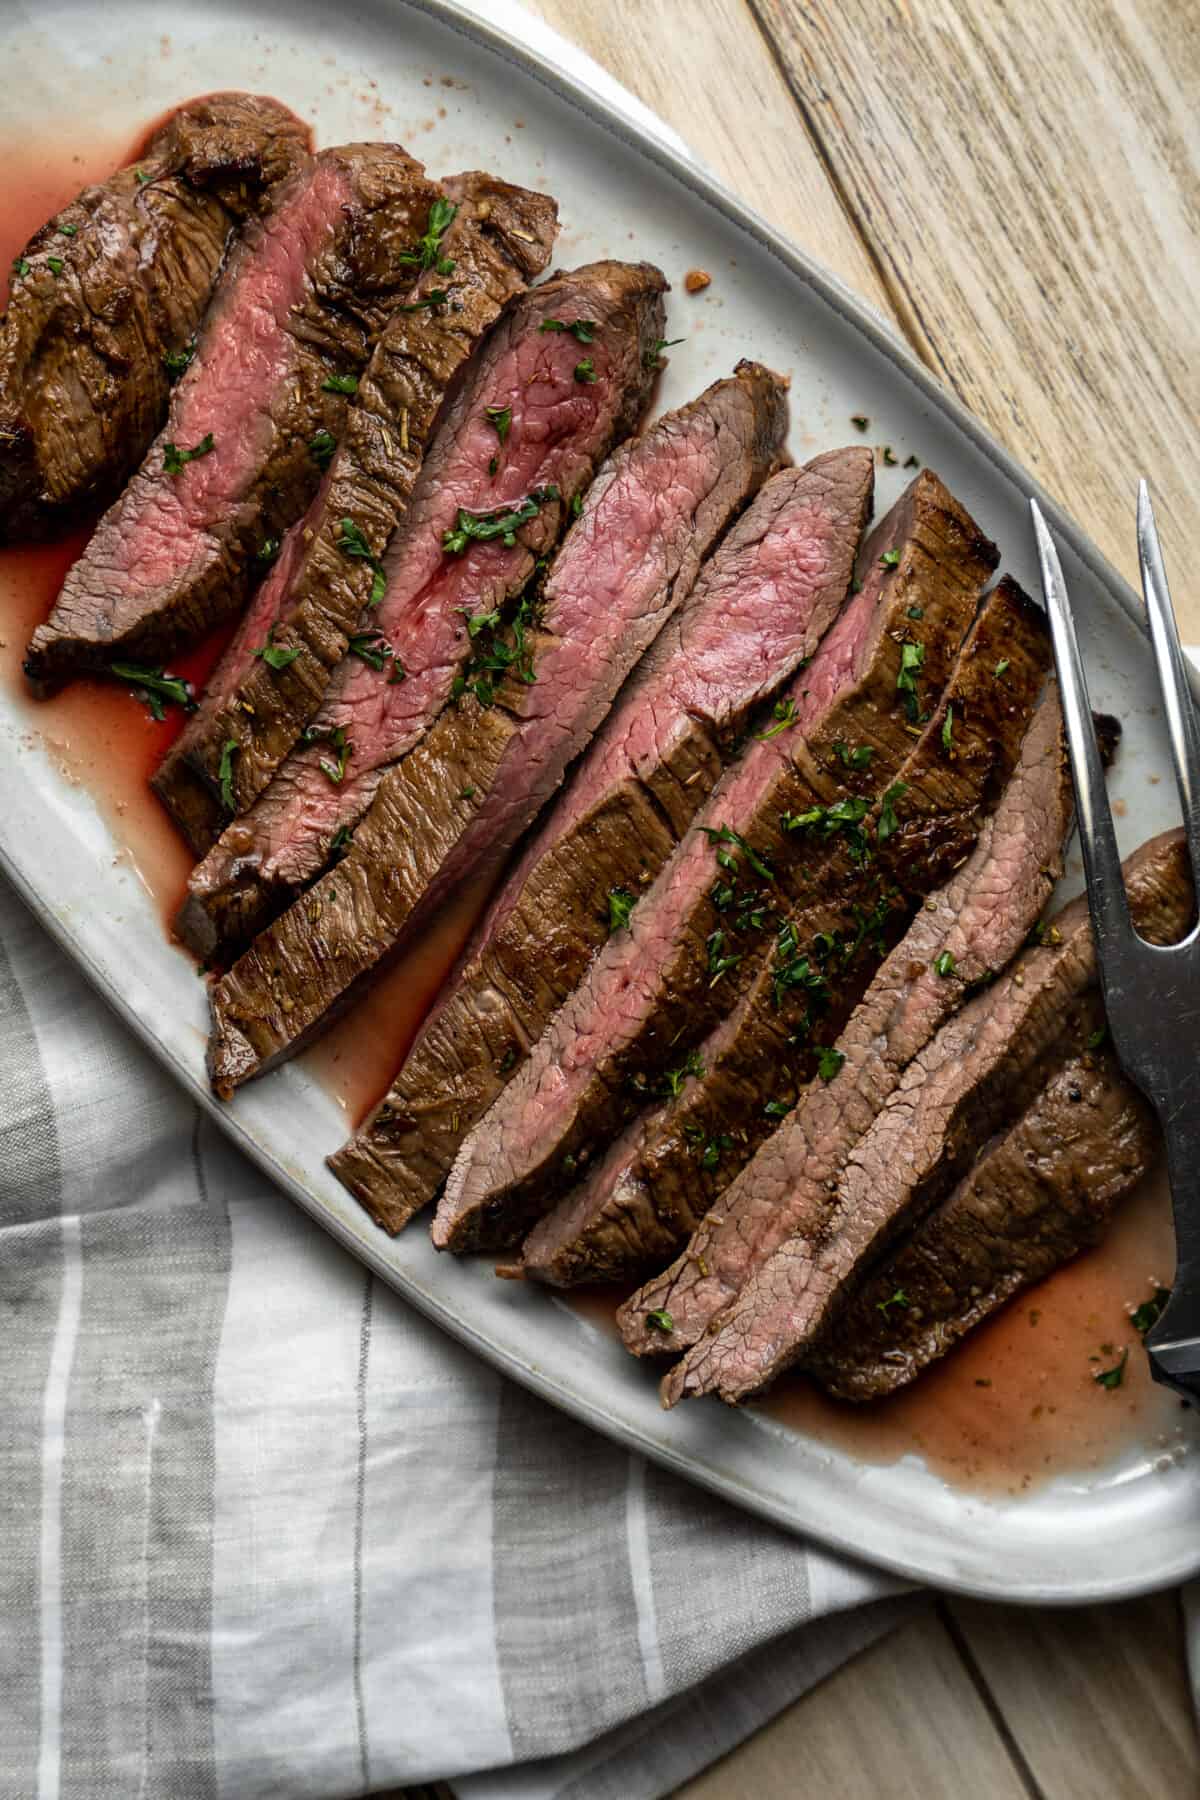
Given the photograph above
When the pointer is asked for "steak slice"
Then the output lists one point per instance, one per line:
(739, 634)
(653, 992)
(492, 245)
(761, 1056)
(111, 287)
(1037, 1196)
(457, 804)
(304, 294)
(983, 1068)
(979, 918)
(558, 430)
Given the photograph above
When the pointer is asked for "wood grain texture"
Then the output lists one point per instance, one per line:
(707, 72)
(1027, 179)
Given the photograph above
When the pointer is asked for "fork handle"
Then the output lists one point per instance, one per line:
(1174, 1343)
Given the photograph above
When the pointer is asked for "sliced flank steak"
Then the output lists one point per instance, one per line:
(519, 443)
(625, 1034)
(863, 882)
(747, 624)
(105, 301)
(303, 296)
(978, 921)
(1038, 1195)
(484, 243)
(457, 804)
(981, 1071)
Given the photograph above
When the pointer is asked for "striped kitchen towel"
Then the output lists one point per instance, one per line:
(266, 1531)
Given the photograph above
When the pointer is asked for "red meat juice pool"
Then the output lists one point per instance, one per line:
(1014, 1406)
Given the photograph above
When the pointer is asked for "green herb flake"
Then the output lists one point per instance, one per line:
(890, 559)
(777, 1109)
(1097, 1037)
(620, 905)
(321, 448)
(352, 543)
(370, 647)
(435, 297)
(68, 230)
(229, 749)
(899, 1298)
(652, 358)
(724, 834)
(21, 265)
(55, 264)
(1002, 667)
(399, 672)
(860, 421)
(576, 505)
(339, 843)
(275, 656)
(914, 612)
(1113, 1377)
(944, 964)
(481, 527)
(661, 1321)
(175, 459)
(467, 793)
(912, 660)
(785, 716)
(948, 731)
(342, 749)
(719, 963)
(585, 370)
(911, 462)
(175, 362)
(889, 456)
(500, 420)
(142, 177)
(828, 1063)
(340, 384)
(155, 688)
(1146, 1316)
(888, 822)
(582, 330)
(428, 253)
(858, 758)
(267, 551)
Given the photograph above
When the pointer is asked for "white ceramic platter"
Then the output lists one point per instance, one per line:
(364, 70)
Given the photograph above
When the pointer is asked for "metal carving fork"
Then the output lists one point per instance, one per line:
(1151, 992)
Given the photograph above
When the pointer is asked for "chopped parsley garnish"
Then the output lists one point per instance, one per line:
(912, 660)
(1114, 1377)
(585, 370)
(1097, 1037)
(1001, 667)
(710, 1156)
(944, 964)
(275, 656)
(948, 731)
(21, 265)
(399, 672)
(467, 793)
(435, 297)
(914, 612)
(653, 357)
(842, 815)
(55, 264)
(911, 462)
(785, 715)
(792, 970)
(576, 505)
(858, 758)
(899, 1298)
(889, 456)
(500, 420)
(828, 1063)
(661, 1321)
(229, 749)
(777, 1109)
(428, 253)
(890, 558)
(719, 962)
(267, 551)
(495, 656)
(336, 771)
(1146, 1316)
(888, 822)
(154, 687)
(142, 177)
(724, 834)
(68, 230)
(353, 544)
(860, 420)
(339, 843)
(370, 647)
(175, 459)
(584, 330)
(321, 448)
(481, 527)
(674, 1079)
(176, 361)
(620, 905)
(340, 384)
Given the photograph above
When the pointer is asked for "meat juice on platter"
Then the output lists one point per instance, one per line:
(1021, 1400)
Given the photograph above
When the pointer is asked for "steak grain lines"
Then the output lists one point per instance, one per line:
(857, 897)
(984, 1066)
(497, 239)
(979, 920)
(105, 301)
(303, 296)
(651, 995)
(730, 645)
(460, 800)
(438, 609)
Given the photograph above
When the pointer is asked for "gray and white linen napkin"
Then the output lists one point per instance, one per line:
(267, 1531)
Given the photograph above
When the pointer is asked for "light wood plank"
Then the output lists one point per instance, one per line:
(707, 72)
(901, 1722)
(1028, 178)
(1097, 1699)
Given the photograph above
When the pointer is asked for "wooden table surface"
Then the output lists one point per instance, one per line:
(1017, 187)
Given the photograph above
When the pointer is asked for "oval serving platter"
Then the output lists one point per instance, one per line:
(462, 95)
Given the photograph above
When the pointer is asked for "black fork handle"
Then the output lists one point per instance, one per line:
(1174, 1343)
